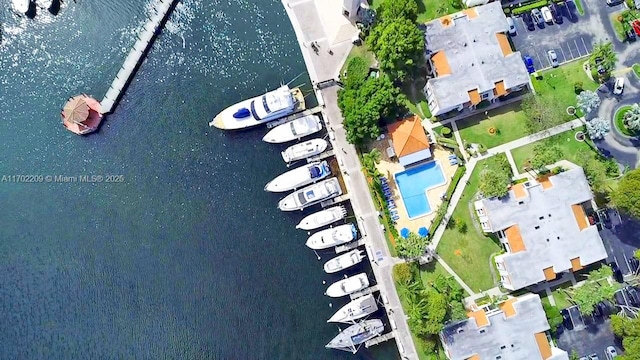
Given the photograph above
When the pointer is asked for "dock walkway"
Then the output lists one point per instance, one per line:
(379, 339)
(367, 291)
(136, 55)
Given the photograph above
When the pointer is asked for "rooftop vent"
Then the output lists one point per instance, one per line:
(520, 202)
(503, 347)
(460, 331)
(482, 331)
(541, 217)
(537, 227)
(465, 44)
(547, 240)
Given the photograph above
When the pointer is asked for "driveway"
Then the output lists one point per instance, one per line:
(593, 337)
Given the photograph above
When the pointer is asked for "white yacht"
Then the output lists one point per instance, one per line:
(304, 150)
(356, 334)
(338, 235)
(301, 176)
(348, 286)
(311, 195)
(261, 109)
(355, 310)
(21, 6)
(343, 261)
(322, 218)
(293, 130)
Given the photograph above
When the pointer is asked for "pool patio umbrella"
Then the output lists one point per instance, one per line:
(423, 231)
(404, 232)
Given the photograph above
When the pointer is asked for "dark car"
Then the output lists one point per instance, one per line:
(604, 152)
(528, 62)
(614, 2)
(631, 35)
(634, 295)
(620, 298)
(604, 307)
(526, 17)
(634, 264)
(566, 319)
(556, 13)
(617, 274)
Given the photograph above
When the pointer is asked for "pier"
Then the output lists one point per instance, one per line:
(292, 117)
(320, 157)
(364, 292)
(335, 200)
(133, 60)
(380, 339)
(350, 246)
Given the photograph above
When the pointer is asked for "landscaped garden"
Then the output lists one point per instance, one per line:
(430, 9)
(636, 69)
(571, 148)
(499, 126)
(464, 246)
(621, 124)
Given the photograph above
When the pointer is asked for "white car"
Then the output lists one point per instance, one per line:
(553, 58)
(512, 26)
(611, 353)
(618, 87)
(546, 14)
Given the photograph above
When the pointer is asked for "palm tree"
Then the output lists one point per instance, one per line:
(603, 54)
(632, 117)
(369, 162)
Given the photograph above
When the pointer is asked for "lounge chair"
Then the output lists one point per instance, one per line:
(452, 156)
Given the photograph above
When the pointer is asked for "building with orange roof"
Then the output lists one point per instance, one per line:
(544, 229)
(470, 60)
(516, 329)
(410, 143)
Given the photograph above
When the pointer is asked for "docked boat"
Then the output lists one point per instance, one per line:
(356, 334)
(304, 150)
(296, 129)
(301, 176)
(355, 310)
(343, 261)
(348, 286)
(21, 6)
(44, 4)
(311, 195)
(338, 235)
(271, 106)
(322, 218)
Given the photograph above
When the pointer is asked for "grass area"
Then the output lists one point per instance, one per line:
(359, 51)
(572, 149)
(636, 69)
(430, 271)
(427, 9)
(619, 117)
(416, 101)
(579, 7)
(556, 86)
(468, 253)
(561, 298)
(508, 121)
(617, 26)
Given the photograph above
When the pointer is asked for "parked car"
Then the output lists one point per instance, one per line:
(546, 14)
(614, 2)
(566, 319)
(512, 26)
(611, 353)
(528, 62)
(526, 17)
(537, 17)
(620, 298)
(593, 356)
(634, 264)
(556, 13)
(606, 153)
(553, 58)
(633, 295)
(617, 274)
(618, 87)
(631, 35)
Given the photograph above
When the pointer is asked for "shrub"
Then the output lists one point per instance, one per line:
(482, 149)
(446, 132)
(493, 130)
(578, 87)
(402, 273)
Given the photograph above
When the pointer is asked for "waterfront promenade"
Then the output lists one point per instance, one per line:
(321, 21)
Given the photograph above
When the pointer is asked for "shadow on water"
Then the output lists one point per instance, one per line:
(54, 9)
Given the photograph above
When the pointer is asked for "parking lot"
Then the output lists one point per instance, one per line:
(621, 237)
(589, 335)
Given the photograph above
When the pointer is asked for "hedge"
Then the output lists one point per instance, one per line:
(524, 9)
(452, 187)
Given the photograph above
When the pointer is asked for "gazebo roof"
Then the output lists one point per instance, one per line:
(408, 136)
(76, 110)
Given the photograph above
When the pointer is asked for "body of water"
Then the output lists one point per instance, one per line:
(187, 257)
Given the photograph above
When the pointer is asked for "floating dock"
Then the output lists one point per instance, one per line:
(145, 39)
(284, 120)
(364, 292)
(380, 339)
(350, 246)
(335, 200)
(320, 157)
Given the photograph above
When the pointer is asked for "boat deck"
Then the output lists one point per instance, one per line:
(364, 292)
(297, 115)
(380, 339)
(335, 200)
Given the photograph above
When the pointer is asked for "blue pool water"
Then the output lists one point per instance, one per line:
(413, 184)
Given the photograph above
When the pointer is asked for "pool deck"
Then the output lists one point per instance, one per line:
(389, 168)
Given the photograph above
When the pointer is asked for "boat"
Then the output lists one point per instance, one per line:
(348, 286)
(44, 4)
(343, 261)
(304, 150)
(322, 218)
(311, 195)
(21, 6)
(293, 130)
(338, 235)
(301, 176)
(355, 310)
(356, 334)
(261, 109)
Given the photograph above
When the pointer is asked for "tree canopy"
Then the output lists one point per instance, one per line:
(541, 114)
(398, 9)
(413, 246)
(596, 173)
(627, 195)
(494, 183)
(545, 154)
(603, 54)
(629, 330)
(398, 45)
(588, 101)
(592, 292)
(632, 117)
(553, 316)
(597, 128)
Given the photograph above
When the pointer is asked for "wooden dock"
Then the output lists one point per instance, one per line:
(320, 157)
(146, 37)
(350, 246)
(364, 292)
(335, 200)
(292, 117)
(380, 339)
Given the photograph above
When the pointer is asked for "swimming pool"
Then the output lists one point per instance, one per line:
(413, 184)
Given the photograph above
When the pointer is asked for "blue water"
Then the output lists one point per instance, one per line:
(413, 184)
(188, 257)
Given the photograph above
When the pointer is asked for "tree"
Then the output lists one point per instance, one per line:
(596, 173)
(588, 101)
(436, 312)
(398, 9)
(494, 183)
(356, 73)
(369, 162)
(402, 273)
(629, 330)
(597, 128)
(541, 114)
(413, 246)
(545, 154)
(574, 355)
(632, 117)
(627, 195)
(603, 54)
(553, 316)
(590, 294)
(398, 45)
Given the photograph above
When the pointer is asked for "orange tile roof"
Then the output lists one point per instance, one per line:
(581, 218)
(480, 316)
(504, 44)
(546, 183)
(514, 238)
(499, 89)
(474, 96)
(549, 274)
(543, 345)
(507, 307)
(439, 61)
(519, 191)
(474, 357)
(471, 13)
(575, 264)
(408, 136)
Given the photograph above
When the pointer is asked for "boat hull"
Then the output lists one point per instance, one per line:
(355, 310)
(327, 238)
(21, 6)
(294, 130)
(312, 194)
(356, 334)
(348, 286)
(304, 150)
(343, 261)
(322, 218)
(299, 177)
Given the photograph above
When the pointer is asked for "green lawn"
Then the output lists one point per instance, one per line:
(416, 101)
(509, 122)
(359, 51)
(571, 148)
(636, 69)
(427, 9)
(561, 298)
(556, 86)
(469, 253)
(579, 7)
(619, 117)
(617, 26)
(429, 272)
